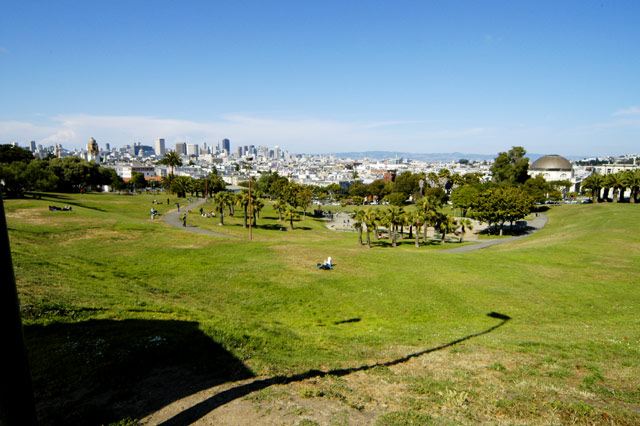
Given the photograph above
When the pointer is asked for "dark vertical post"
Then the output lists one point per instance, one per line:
(250, 209)
(17, 406)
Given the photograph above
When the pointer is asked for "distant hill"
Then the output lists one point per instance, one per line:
(433, 157)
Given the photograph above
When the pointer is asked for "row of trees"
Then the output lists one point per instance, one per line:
(616, 184)
(428, 213)
(20, 172)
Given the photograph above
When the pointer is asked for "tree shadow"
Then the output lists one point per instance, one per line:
(347, 321)
(99, 371)
(68, 200)
(198, 411)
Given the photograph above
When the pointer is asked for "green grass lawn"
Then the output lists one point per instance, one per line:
(101, 282)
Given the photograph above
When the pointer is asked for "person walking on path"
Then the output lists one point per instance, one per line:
(178, 206)
(184, 220)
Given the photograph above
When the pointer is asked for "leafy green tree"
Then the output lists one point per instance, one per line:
(462, 197)
(138, 181)
(379, 189)
(501, 204)
(74, 174)
(511, 167)
(10, 154)
(290, 214)
(396, 198)
(357, 200)
(304, 196)
(537, 188)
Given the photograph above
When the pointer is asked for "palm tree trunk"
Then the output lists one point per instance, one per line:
(368, 238)
(417, 237)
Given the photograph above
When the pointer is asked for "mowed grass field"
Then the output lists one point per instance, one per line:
(124, 315)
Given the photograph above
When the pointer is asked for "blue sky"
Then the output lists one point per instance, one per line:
(322, 76)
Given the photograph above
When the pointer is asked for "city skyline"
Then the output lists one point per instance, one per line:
(328, 77)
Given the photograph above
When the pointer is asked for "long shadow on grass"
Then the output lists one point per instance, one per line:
(203, 408)
(100, 371)
(70, 201)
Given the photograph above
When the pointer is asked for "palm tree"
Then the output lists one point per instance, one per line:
(358, 218)
(370, 219)
(280, 206)
(608, 182)
(464, 224)
(231, 201)
(256, 206)
(171, 159)
(391, 218)
(631, 179)
(594, 182)
(447, 225)
(417, 218)
(619, 186)
(427, 206)
(243, 201)
(291, 214)
(222, 199)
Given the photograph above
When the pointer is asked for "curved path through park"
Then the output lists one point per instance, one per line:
(533, 226)
(173, 218)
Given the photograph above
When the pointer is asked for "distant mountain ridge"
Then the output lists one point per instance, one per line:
(432, 157)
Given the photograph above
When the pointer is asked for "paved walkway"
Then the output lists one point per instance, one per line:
(533, 226)
(173, 218)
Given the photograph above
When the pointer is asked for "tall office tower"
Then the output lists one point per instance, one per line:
(239, 151)
(159, 149)
(245, 150)
(226, 146)
(192, 149)
(203, 149)
(33, 146)
(107, 146)
(181, 148)
(276, 152)
(252, 150)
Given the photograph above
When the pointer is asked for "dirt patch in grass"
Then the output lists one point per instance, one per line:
(453, 386)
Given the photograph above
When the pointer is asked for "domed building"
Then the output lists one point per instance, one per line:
(552, 167)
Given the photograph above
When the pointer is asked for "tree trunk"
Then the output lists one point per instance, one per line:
(368, 238)
(501, 227)
(417, 237)
(244, 225)
(291, 224)
(222, 216)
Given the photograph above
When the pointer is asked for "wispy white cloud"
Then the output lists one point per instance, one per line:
(632, 110)
(310, 135)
